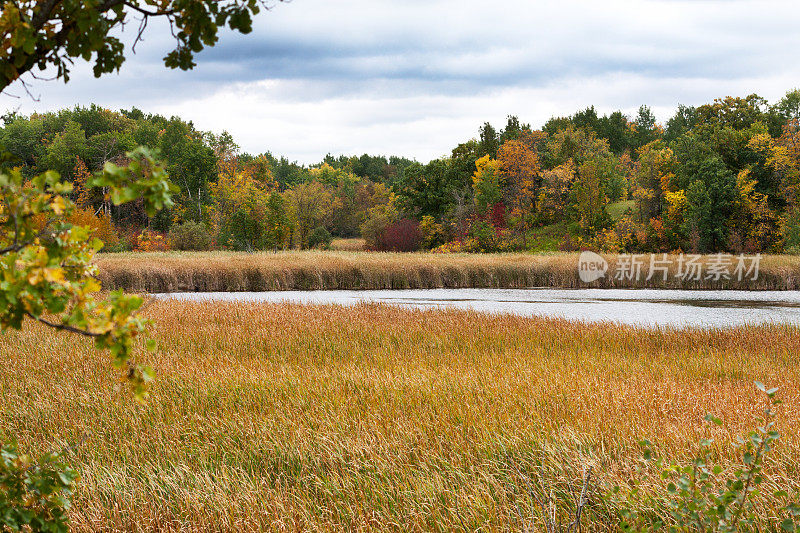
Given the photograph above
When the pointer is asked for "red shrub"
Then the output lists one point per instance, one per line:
(401, 236)
(497, 215)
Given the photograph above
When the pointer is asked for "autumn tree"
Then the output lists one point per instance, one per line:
(260, 168)
(576, 144)
(783, 157)
(487, 184)
(242, 209)
(753, 224)
(351, 198)
(553, 199)
(81, 193)
(351, 204)
(734, 112)
(673, 220)
(308, 205)
(576, 149)
(654, 173)
(589, 197)
(519, 161)
(379, 218)
(85, 214)
(278, 228)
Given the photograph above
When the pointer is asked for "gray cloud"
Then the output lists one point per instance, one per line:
(414, 76)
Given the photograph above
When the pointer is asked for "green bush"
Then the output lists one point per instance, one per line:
(320, 238)
(191, 236)
(34, 496)
(484, 236)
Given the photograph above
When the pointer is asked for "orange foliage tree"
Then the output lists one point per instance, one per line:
(521, 170)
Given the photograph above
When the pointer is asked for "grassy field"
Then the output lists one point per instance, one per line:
(293, 418)
(227, 271)
(547, 238)
(617, 209)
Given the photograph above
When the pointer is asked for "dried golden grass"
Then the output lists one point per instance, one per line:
(294, 418)
(348, 245)
(295, 270)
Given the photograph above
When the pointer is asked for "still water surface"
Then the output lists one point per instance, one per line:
(646, 307)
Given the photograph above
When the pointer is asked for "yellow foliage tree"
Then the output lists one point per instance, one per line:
(783, 156)
(239, 213)
(486, 183)
(308, 204)
(553, 199)
(590, 198)
(755, 224)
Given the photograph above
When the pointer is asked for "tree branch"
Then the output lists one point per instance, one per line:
(63, 327)
(14, 248)
(43, 15)
(148, 13)
(108, 4)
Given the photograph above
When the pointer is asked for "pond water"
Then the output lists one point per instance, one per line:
(646, 307)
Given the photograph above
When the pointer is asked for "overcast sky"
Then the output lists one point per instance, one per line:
(415, 77)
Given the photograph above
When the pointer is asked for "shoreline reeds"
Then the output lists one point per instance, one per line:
(337, 270)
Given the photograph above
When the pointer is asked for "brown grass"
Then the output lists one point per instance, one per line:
(225, 271)
(348, 245)
(293, 418)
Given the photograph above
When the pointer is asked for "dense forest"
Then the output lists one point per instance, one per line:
(724, 176)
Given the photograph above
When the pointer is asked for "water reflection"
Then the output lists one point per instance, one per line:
(648, 307)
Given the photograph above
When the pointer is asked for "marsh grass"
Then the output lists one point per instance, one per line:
(348, 245)
(309, 270)
(294, 418)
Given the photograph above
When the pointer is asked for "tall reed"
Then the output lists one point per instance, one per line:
(224, 271)
(295, 418)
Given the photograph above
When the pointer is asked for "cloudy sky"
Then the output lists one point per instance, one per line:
(415, 77)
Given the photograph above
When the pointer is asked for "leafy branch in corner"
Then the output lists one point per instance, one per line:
(700, 497)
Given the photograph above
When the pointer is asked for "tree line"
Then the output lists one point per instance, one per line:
(718, 177)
